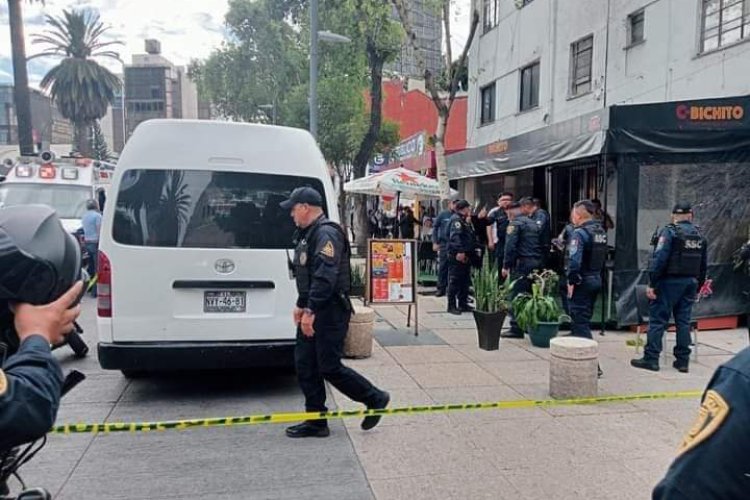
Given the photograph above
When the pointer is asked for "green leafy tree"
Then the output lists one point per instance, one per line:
(21, 95)
(81, 88)
(99, 148)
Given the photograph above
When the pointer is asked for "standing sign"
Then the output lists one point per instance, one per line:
(392, 274)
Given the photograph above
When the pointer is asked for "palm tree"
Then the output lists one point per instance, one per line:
(20, 77)
(81, 88)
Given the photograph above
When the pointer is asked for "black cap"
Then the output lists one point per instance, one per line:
(461, 204)
(303, 195)
(682, 208)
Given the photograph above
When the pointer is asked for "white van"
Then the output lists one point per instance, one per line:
(193, 255)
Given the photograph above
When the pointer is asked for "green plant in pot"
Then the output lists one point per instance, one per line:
(358, 282)
(491, 304)
(539, 313)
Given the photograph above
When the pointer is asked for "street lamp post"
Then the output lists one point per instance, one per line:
(326, 37)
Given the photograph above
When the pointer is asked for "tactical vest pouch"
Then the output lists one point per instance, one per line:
(686, 256)
(598, 248)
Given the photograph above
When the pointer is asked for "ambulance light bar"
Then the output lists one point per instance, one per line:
(24, 171)
(47, 172)
(69, 174)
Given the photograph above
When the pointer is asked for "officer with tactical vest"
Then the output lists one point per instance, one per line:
(587, 253)
(677, 271)
(523, 254)
(462, 246)
(323, 275)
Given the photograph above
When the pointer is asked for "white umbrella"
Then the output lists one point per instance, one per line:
(396, 181)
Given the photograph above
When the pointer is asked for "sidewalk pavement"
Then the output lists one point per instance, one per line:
(604, 451)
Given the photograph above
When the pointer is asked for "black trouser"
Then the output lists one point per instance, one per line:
(459, 279)
(581, 304)
(318, 359)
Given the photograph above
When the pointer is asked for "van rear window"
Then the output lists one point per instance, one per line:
(205, 209)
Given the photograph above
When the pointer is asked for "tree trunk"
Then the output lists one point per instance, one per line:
(441, 167)
(83, 141)
(20, 79)
(376, 60)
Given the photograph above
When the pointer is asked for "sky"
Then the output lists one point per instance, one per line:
(187, 29)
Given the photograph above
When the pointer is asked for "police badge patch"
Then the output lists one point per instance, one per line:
(328, 250)
(713, 411)
(510, 229)
(303, 258)
(457, 224)
(573, 248)
(661, 243)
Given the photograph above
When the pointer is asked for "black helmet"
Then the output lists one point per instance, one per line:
(39, 260)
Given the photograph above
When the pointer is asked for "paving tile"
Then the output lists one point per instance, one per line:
(445, 486)
(482, 395)
(458, 337)
(389, 377)
(450, 375)
(506, 352)
(519, 372)
(426, 354)
(400, 397)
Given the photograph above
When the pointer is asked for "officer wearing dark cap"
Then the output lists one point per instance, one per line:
(587, 253)
(532, 208)
(462, 244)
(322, 312)
(712, 461)
(523, 254)
(440, 230)
(676, 272)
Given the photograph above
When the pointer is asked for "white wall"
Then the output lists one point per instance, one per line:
(666, 66)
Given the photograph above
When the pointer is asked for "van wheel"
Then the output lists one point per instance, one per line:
(133, 374)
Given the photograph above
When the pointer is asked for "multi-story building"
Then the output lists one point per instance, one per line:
(637, 102)
(156, 88)
(428, 29)
(49, 127)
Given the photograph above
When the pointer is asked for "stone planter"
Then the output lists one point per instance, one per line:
(358, 341)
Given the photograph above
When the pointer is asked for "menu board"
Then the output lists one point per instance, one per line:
(392, 271)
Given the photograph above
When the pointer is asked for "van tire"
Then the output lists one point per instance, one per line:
(133, 374)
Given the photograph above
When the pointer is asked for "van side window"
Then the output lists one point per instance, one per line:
(205, 209)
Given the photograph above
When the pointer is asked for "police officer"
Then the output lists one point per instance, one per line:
(587, 253)
(31, 379)
(462, 245)
(523, 254)
(440, 245)
(676, 272)
(498, 227)
(532, 208)
(712, 461)
(322, 313)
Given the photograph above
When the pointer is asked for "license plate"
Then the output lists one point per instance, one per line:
(224, 302)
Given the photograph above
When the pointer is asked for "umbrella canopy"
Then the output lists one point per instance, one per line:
(396, 181)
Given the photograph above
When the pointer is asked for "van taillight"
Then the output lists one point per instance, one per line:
(104, 286)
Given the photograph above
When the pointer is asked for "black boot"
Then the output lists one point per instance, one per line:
(308, 429)
(681, 366)
(645, 364)
(382, 401)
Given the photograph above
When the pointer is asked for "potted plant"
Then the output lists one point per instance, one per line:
(491, 304)
(539, 313)
(358, 282)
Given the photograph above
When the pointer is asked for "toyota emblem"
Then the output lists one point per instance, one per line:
(224, 266)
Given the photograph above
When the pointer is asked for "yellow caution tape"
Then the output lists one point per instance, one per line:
(277, 418)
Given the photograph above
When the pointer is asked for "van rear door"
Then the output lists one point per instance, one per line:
(202, 255)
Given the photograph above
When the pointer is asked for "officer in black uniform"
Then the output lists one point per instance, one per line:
(587, 253)
(712, 462)
(676, 272)
(498, 219)
(532, 208)
(462, 245)
(40, 263)
(323, 274)
(31, 379)
(523, 254)
(440, 235)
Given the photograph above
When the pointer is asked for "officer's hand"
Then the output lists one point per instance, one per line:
(435, 247)
(307, 325)
(491, 245)
(297, 315)
(570, 291)
(52, 321)
(650, 293)
(504, 273)
(461, 257)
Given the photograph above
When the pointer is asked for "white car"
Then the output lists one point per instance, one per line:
(193, 262)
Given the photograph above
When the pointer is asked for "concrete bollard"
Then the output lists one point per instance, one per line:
(573, 368)
(358, 341)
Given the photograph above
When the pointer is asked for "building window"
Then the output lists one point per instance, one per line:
(580, 65)
(635, 27)
(489, 15)
(487, 114)
(530, 87)
(724, 22)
